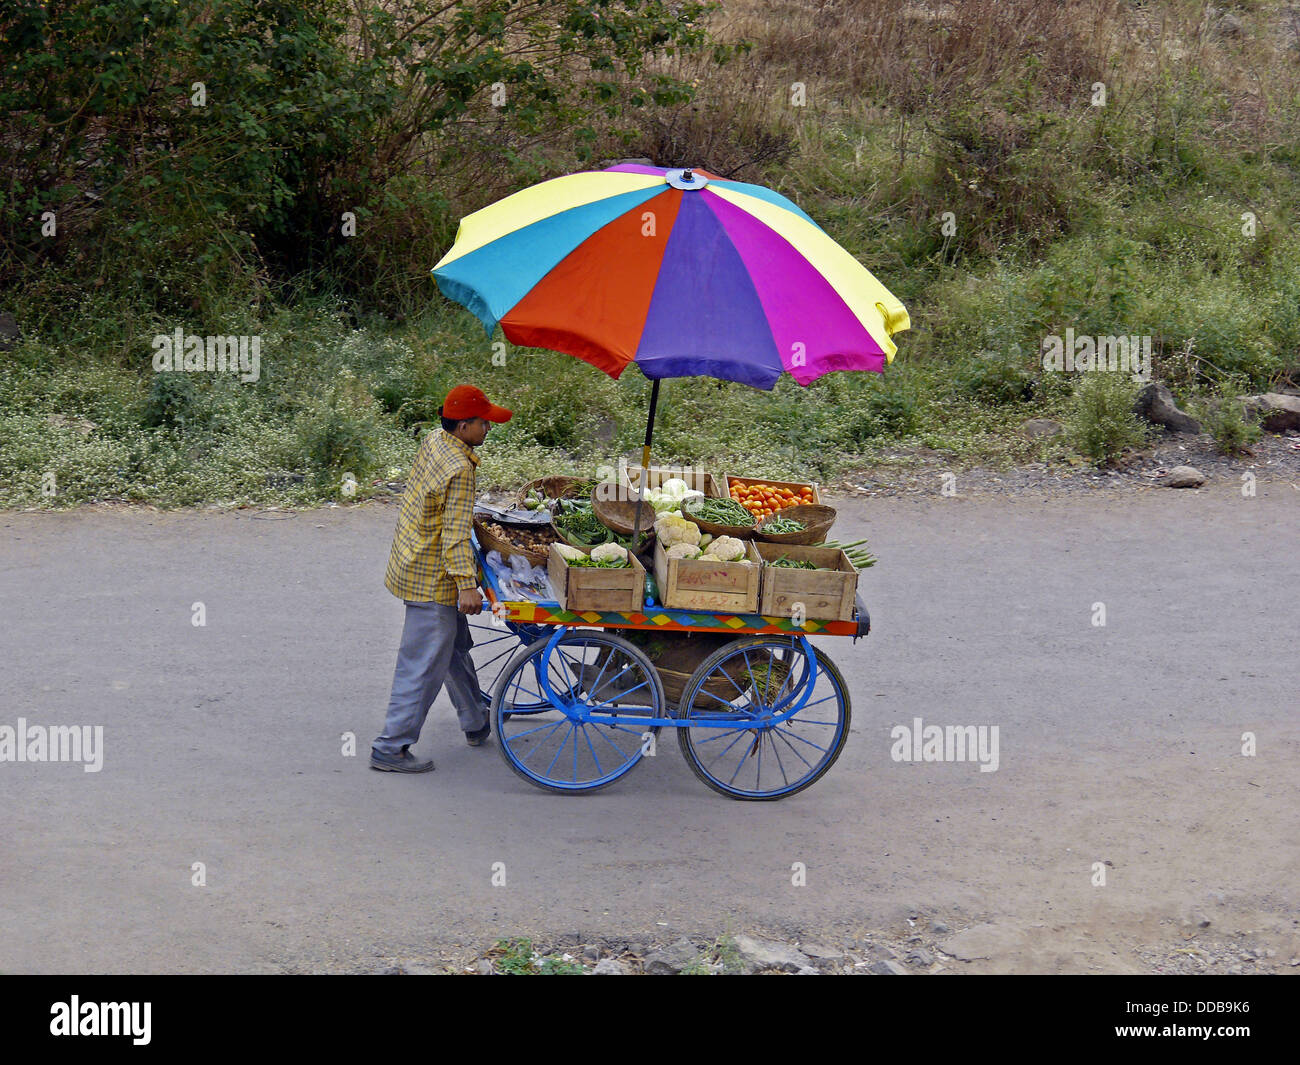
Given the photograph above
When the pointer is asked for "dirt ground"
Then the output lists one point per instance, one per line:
(1121, 755)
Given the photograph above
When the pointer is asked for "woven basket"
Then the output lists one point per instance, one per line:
(618, 514)
(554, 486)
(816, 517)
(489, 541)
(740, 532)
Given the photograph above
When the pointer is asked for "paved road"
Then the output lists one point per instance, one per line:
(1118, 744)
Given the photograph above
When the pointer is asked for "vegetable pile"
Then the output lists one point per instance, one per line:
(578, 522)
(762, 499)
(682, 539)
(603, 556)
(857, 552)
(778, 524)
(719, 511)
(536, 500)
(523, 537)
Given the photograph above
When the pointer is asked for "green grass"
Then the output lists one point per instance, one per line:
(1126, 219)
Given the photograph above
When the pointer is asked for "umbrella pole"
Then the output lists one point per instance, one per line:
(645, 463)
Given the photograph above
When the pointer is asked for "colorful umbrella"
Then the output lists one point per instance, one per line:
(680, 271)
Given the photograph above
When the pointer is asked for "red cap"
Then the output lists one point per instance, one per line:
(466, 401)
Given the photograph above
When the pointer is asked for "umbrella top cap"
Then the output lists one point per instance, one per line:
(686, 179)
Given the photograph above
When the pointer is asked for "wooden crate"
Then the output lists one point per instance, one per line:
(827, 594)
(695, 476)
(794, 486)
(689, 584)
(580, 588)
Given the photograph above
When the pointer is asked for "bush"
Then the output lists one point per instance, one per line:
(1101, 423)
(888, 412)
(995, 379)
(1224, 417)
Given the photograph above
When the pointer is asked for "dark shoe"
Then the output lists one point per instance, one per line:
(405, 762)
(475, 739)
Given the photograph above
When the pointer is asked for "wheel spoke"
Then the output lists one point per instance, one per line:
(738, 749)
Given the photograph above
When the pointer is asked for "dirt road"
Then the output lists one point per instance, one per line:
(1120, 744)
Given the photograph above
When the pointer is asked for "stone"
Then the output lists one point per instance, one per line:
(672, 960)
(757, 954)
(921, 956)
(84, 426)
(483, 967)
(611, 967)
(1156, 404)
(1229, 25)
(1042, 428)
(888, 968)
(807, 970)
(1277, 412)
(1183, 477)
(975, 943)
(821, 951)
(939, 928)
(10, 334)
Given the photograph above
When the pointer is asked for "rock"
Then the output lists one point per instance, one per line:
(821, 951)
(1183, 477)
(84, 426)
(921, 956)
(807, 970)
(888, 968)
(611, 967)
(415, 968)
(1229, 25)
(590, 951)
(672, 960)
(1041, 428)
(768, 954)
(10, 334)
(483, 967)
(1156, 404)
(979, 941)
(939, 928)
(1276, 412)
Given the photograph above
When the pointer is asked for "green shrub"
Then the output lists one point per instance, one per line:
(995, 379)
(1101, 422)
(1224, 417)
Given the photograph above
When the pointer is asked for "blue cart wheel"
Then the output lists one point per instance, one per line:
(586, 671)
(495, 643)
(734, 742)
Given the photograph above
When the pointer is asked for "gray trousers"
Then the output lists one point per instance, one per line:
(435, 651)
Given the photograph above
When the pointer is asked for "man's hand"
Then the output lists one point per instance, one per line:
(470, 602)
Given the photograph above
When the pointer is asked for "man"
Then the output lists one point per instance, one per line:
(432, 568)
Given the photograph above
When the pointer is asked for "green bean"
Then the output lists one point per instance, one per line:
(719, 512)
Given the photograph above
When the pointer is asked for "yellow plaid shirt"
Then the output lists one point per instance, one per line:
(432, 558)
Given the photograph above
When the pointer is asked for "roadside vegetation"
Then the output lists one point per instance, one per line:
(1009, 169)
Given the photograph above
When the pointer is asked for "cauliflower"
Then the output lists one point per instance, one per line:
(674, 529)
(708, 557)
(609, 553)
(727, 549)
(681, 550)
(669, 495)
(568, 553)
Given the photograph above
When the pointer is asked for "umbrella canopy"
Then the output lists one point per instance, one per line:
(679, 271)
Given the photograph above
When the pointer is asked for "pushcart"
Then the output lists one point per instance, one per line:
(576, 706)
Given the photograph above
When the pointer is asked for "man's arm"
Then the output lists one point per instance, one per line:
(457, 524)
